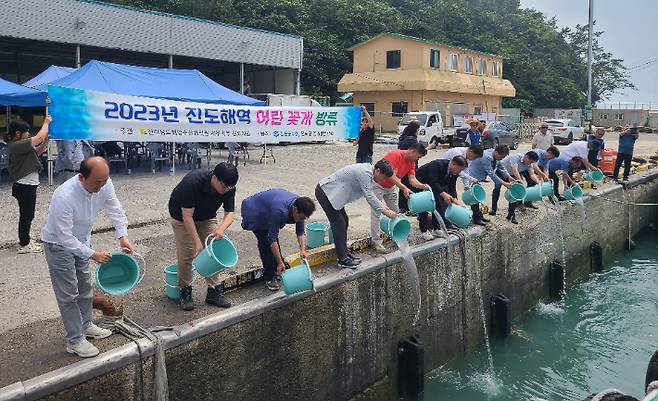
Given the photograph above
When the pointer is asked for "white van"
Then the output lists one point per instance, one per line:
(431, 125)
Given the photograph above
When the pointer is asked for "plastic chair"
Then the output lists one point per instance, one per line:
(159, 155)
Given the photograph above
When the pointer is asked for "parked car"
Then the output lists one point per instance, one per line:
(496, 133)
(565, 130)
(431, 126)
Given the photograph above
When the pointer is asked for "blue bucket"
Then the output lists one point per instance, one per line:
(397, 229)
(574, 192)
(217, 256)
(120, 274)
(315, 235)
(515, 193)
(297, 279)
(171, 280)
(533, 193)
(547, 188)
(459, 215)
(594, 175)
(420, 202)
(475, 194)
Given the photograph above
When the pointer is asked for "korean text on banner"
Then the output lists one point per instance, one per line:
(96, 116)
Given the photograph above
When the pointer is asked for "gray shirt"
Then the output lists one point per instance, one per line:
(349, 184)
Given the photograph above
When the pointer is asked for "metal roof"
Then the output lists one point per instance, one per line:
(98, 24)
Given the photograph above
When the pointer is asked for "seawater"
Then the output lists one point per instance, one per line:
(601, 337)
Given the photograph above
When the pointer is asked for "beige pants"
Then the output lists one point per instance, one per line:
(185, 251)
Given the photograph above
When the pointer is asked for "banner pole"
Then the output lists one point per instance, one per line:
(172, 170)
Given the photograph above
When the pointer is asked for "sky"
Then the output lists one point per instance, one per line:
(629, 28)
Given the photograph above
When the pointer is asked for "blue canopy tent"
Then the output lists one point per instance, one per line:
(12, 94)
(50, 74)
(163, 83)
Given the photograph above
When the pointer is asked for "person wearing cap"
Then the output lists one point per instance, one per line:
(473, 134)
(193, 206)
(542, 139)
(564, 167)
(627, 140)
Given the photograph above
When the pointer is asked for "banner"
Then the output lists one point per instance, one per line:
(96, 116)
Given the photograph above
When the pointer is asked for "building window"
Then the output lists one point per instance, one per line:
(482, 68)
(619, 117)
(468, 64)
(495, 69)
(453, 61)
(603, 117)
(370, 107)
(435, 56)
(393, 59)
(399, 108)
(477, 110)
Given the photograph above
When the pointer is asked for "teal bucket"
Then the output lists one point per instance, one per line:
(547, 188)
(459, 215)
(120, 274)
(398, 229)
(594, 175)
(533, 193)
(171, 280)
(297, 279)
(315, 235)
(217, 256)
(420, 202)
(515, 193)
(476, 194)
(574, 192)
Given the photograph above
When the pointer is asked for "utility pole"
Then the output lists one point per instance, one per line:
(588, 108)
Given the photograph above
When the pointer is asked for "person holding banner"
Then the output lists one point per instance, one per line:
(193, 206)
(24, 167)
(265, 214)
(345, 186)
(66, 244)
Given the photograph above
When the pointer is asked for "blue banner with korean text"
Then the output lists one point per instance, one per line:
(96, 116)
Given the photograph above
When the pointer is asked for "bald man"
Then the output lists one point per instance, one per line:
(66, 245)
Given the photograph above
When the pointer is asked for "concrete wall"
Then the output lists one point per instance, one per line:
(334, 344)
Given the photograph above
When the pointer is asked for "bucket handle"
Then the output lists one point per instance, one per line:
(142, 266)
(209, 239)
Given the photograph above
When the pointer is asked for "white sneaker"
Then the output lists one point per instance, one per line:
(83, 349)
(427, 236)
(32, 247)
(377, 246)
(96, 332)
(438, 233)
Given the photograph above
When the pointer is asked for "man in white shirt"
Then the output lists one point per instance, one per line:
(470, 153)
(580, 149)
(66, 243)
(542, 139)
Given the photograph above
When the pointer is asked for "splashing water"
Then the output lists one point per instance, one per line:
(582, 212)
(412, 272)
(558, 216)
(551, 309)
(442, 223)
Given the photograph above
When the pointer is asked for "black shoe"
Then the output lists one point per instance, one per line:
(530, 205)
(185, 301)
(354, 258)
(485, 220)
(561, 198)
(215, 296)
(480, 222)
(348, 263)
(512, 219)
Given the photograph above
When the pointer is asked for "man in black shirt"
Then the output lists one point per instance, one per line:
(193, 209)
(441, 176)
(366, 138)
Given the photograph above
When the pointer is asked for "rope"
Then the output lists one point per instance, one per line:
(133, 331)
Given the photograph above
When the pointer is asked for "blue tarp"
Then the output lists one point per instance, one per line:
(52, 73)
(12, 94)
(163, 83)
